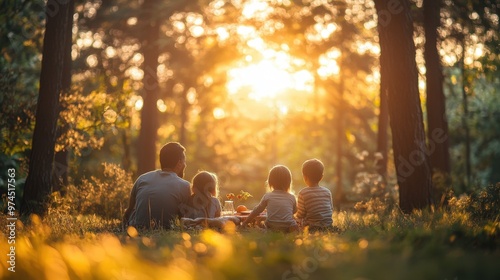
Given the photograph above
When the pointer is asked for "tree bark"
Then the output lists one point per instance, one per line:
(339, 196)
(465, 117)
(149, 114)
(184, 119)
(383, 122)
(38, 185)
(61, 168)
(395, 27)
(436, 107)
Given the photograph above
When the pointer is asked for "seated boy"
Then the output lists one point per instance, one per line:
(315, 207)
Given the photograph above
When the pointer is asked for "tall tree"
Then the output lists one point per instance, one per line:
(339, 196)
(465, 116)
(146, 157)
(395, 26)
(436, 107)
(61, 157)
(383, 123)
(383, 120)
(38, 185)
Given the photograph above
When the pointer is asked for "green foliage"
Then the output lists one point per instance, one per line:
(21, 26)
(483, 120)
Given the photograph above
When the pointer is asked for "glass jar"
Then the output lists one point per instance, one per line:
(228, 208)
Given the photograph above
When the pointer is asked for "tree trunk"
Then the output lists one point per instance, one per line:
(126, 161)
(61, 157)
(38, 185)
(436, 107)
(410, 153)
(465, 117)
(339, 196)
(383, 123)
(184, 119)
(149, 114)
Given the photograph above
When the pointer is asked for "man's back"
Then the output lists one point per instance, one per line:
(158, 197)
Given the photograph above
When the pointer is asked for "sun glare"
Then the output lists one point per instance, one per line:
(269, 87)
(267, 79)
(264, 79)
(255, 9)
(267, 75)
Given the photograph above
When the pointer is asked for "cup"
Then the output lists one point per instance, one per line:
(228, 207)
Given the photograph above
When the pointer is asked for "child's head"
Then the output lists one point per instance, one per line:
(312, 171)
(280, 178)
(205, 183)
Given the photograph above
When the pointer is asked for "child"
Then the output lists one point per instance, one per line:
(315, 206)
(203, 202)
(204, 208)
(280, 204)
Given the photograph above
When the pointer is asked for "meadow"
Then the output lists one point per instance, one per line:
(375, 241)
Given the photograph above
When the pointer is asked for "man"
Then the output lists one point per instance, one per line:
(157, 195)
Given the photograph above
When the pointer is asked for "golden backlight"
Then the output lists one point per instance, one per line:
(269, 86)
(275, 79)
(266, 80)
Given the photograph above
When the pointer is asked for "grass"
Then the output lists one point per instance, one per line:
(445, 244)
(460, 241)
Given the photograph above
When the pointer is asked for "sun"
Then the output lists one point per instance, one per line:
(271, 77)
(267, 77)
(264, 79)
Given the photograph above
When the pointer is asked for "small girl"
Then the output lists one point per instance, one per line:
(204, 208)
(203, 202)
(280, 204)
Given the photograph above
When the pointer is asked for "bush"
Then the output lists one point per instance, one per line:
(105, 196)
(482, 204)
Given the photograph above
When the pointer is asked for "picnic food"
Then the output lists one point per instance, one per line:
(241, 208)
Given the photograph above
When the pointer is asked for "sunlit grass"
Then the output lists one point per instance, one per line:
(385, 244)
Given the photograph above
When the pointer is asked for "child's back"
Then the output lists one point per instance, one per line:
(280, 204)
(203, 202)
(315, 206)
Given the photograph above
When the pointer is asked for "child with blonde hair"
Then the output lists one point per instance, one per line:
(280, 203)
(203, 202)
(204, 208)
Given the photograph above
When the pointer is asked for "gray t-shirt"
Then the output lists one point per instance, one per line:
(158, 197)
(281, 206)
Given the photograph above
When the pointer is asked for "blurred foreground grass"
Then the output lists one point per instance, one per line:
(461, 241)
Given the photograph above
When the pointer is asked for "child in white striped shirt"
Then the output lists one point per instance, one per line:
(315, 207)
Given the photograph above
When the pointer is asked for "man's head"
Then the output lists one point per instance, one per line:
(312, 171)
(173, 157)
